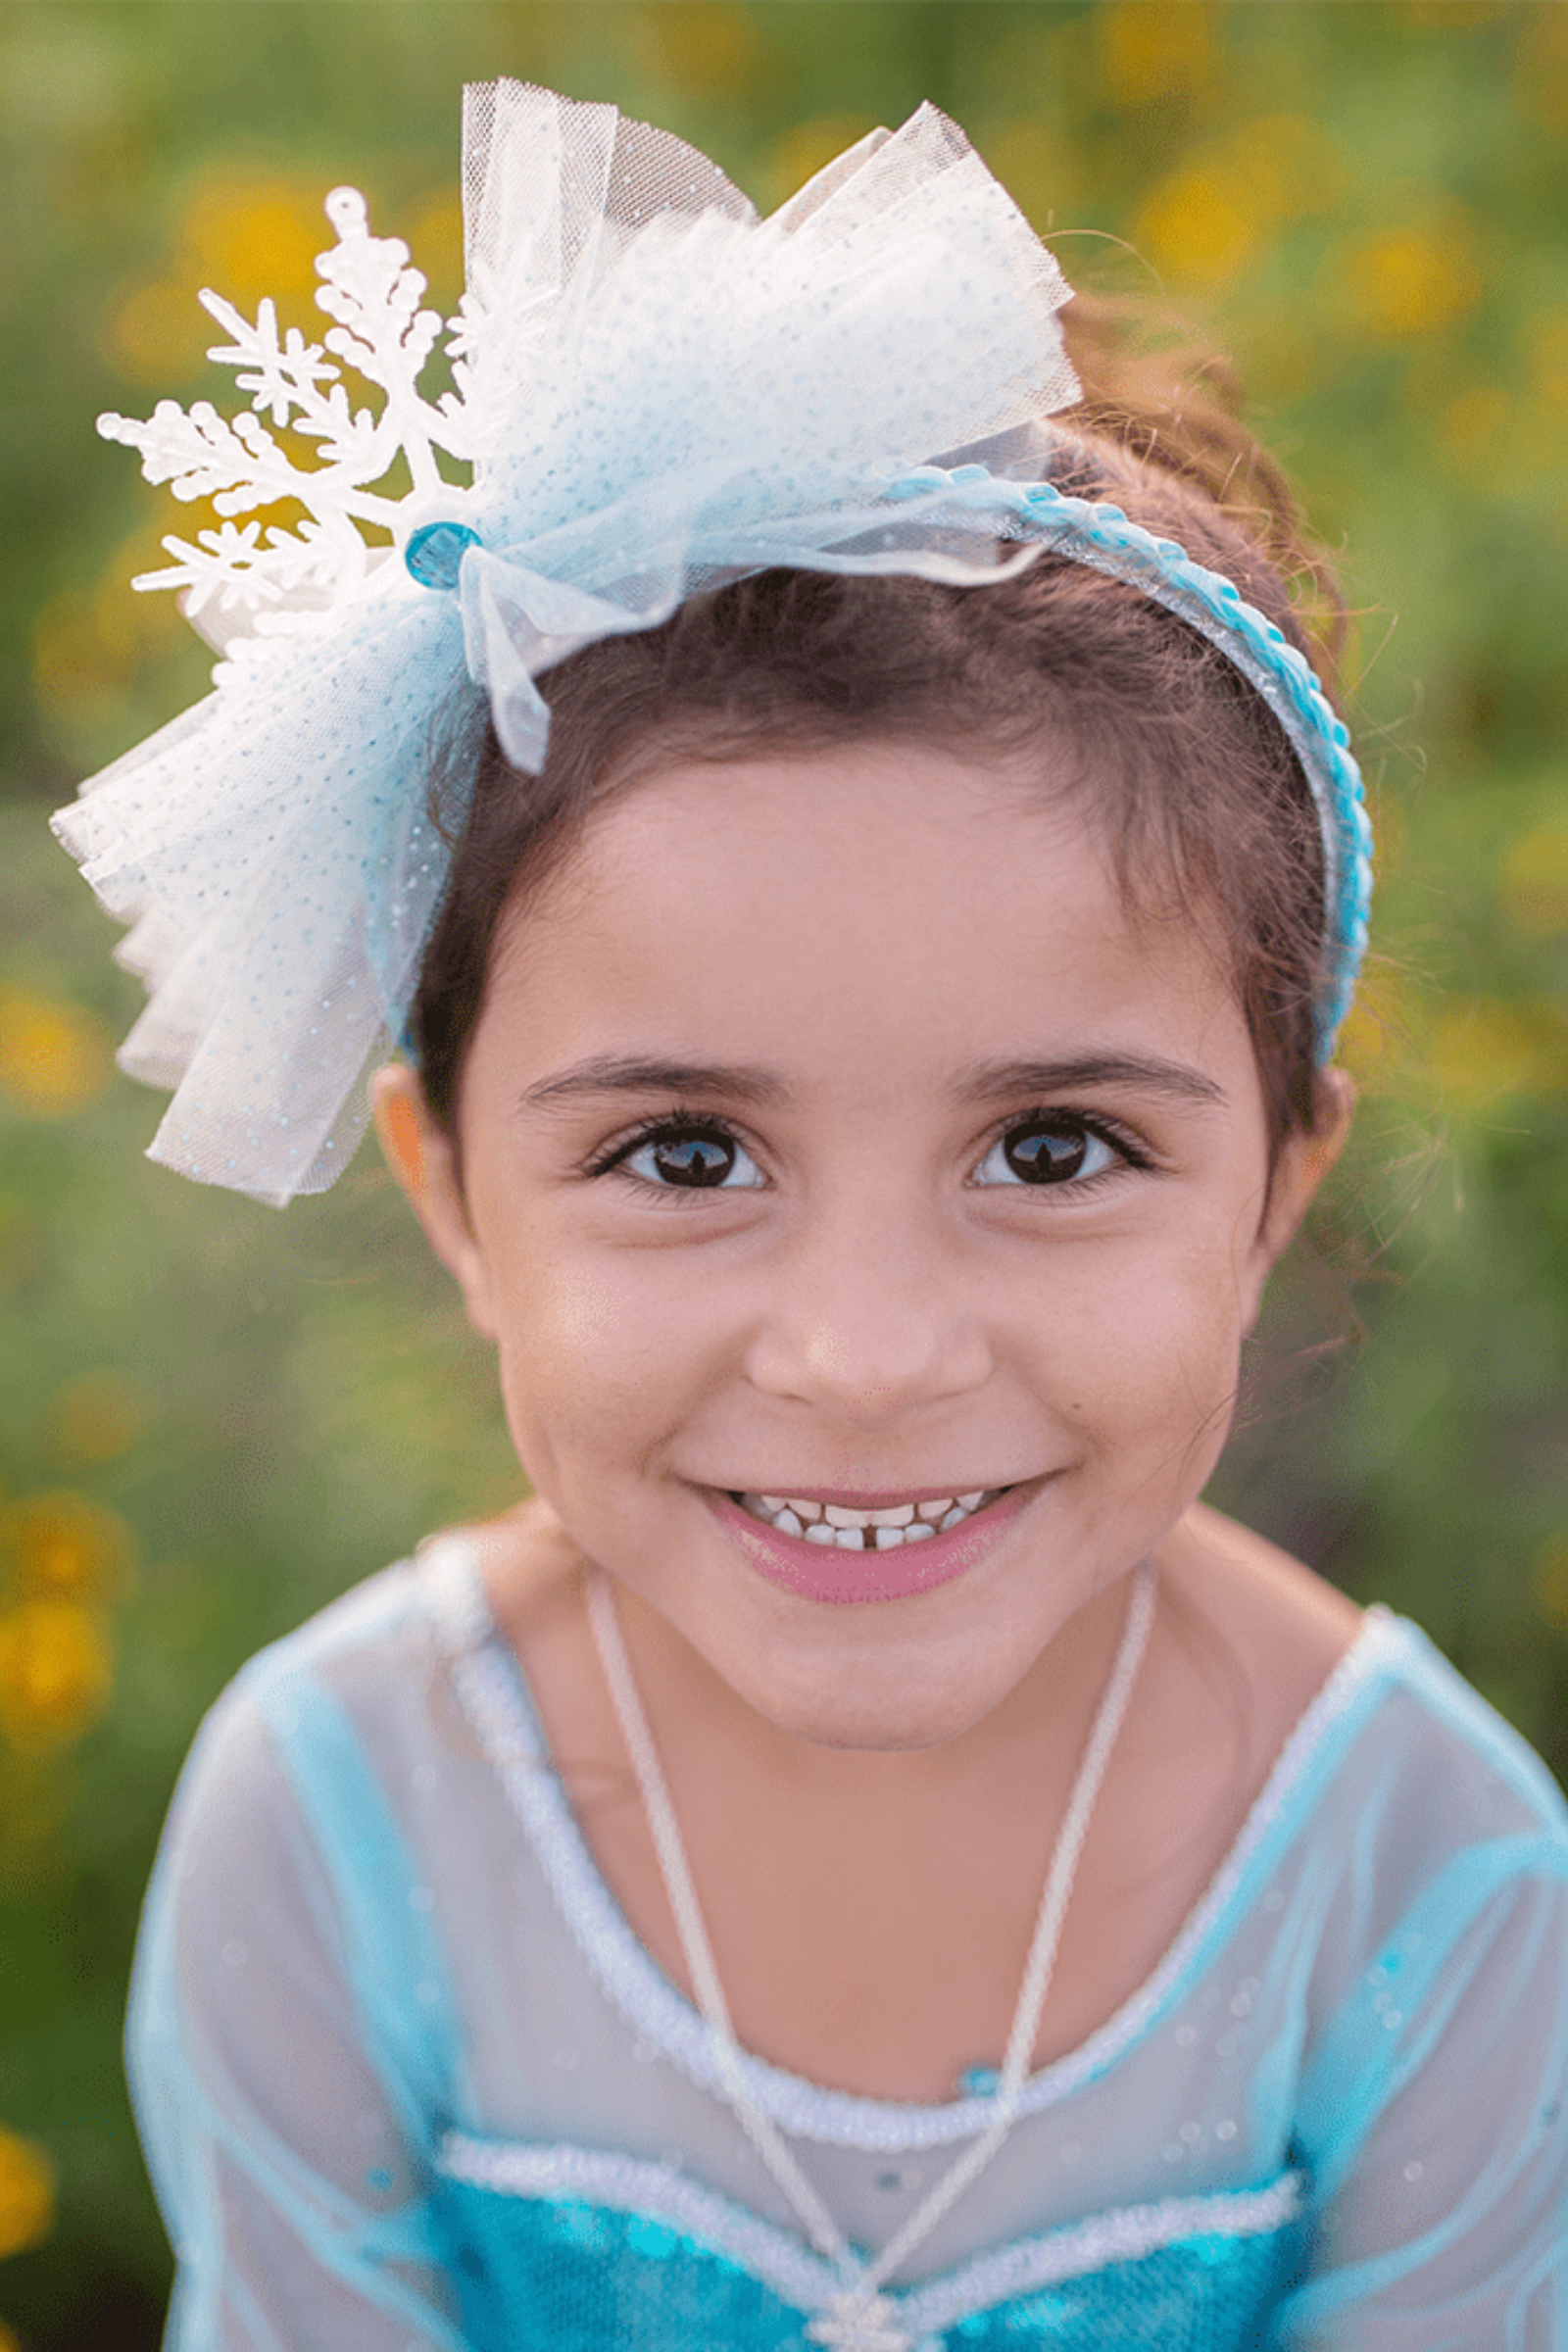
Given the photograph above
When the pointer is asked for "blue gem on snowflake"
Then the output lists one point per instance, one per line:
(435, 551)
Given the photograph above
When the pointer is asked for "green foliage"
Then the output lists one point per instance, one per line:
(212, 1418)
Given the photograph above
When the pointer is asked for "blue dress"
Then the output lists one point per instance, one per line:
(407, 2079)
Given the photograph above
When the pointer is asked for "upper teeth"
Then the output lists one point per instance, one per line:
(865, 1530)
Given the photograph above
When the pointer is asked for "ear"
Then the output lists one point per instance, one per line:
(1304, 1159)
(421, 1156)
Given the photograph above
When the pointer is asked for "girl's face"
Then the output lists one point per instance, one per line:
(831, 1134)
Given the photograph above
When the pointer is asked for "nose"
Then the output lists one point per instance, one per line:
(866, 1325)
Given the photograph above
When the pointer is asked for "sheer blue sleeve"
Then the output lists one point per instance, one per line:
(1434, 2111)
(286, 2109)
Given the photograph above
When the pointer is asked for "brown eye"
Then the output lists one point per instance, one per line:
(1047, 1153)
(1054, 1149)
(691, 1159)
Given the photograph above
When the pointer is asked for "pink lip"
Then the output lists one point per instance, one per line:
(825, 1572)
(856, 1500)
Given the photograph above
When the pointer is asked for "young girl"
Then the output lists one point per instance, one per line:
(864, 1857)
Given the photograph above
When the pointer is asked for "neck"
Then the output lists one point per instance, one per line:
(855, 2312)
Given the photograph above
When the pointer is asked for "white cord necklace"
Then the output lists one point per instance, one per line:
(860, 2317)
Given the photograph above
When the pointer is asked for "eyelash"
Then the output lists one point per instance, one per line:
(671, 1124)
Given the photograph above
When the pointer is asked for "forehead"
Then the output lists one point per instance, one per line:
(871, 897)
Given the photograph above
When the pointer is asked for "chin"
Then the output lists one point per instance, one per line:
(881, 1709)
(863, 1732)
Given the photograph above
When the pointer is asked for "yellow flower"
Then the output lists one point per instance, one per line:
(1497, 439)
(1374, 1044)
(1485, 1049)
(1207, 216)
(54, 1672)
(1293, 164)
(1534, 881)
(1549, 357)
(155, 334)
(1154, 49)
(63, 1544)
(251, 236)
(26, 2195)
(1412, 279)
(434, 237)
(1541, 60)
(707, 45)
(1200, 225)
(245, 238)
(53, 1057)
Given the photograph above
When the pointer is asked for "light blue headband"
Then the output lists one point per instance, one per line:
(654, 393)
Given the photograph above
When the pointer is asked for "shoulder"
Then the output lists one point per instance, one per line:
(360, 1634)
(1461, 1811)
(529, 1568)
(1353, 1712)
(334, 1777)
(1254, 1641)
(1429, 1848)
(291, 1892)
(347, 1702)
(1291, 1624)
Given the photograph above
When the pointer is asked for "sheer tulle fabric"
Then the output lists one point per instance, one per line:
(661, 391)
(657, 393)
(374, 1934)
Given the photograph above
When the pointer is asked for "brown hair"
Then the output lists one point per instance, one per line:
(1200, 795)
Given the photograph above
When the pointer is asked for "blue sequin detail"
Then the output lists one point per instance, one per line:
(435, 551)
(979, 2082)
(579, 2276)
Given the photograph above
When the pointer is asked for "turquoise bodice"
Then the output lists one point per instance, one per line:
(580, 2251)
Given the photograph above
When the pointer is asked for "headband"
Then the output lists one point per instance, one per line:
(651, 392)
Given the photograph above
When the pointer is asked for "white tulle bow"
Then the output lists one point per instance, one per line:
(653, 391)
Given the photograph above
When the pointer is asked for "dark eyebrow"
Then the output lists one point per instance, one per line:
(981, 1082)
(986, 1081)
(634, 1074)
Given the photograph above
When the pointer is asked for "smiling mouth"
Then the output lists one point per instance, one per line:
(835, 1525)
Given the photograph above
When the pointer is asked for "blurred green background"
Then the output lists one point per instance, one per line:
(212, 1417)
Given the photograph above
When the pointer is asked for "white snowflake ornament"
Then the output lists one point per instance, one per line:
(254, 582)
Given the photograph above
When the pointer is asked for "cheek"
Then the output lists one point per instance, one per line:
(594, 1364)
(1151, 1355)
